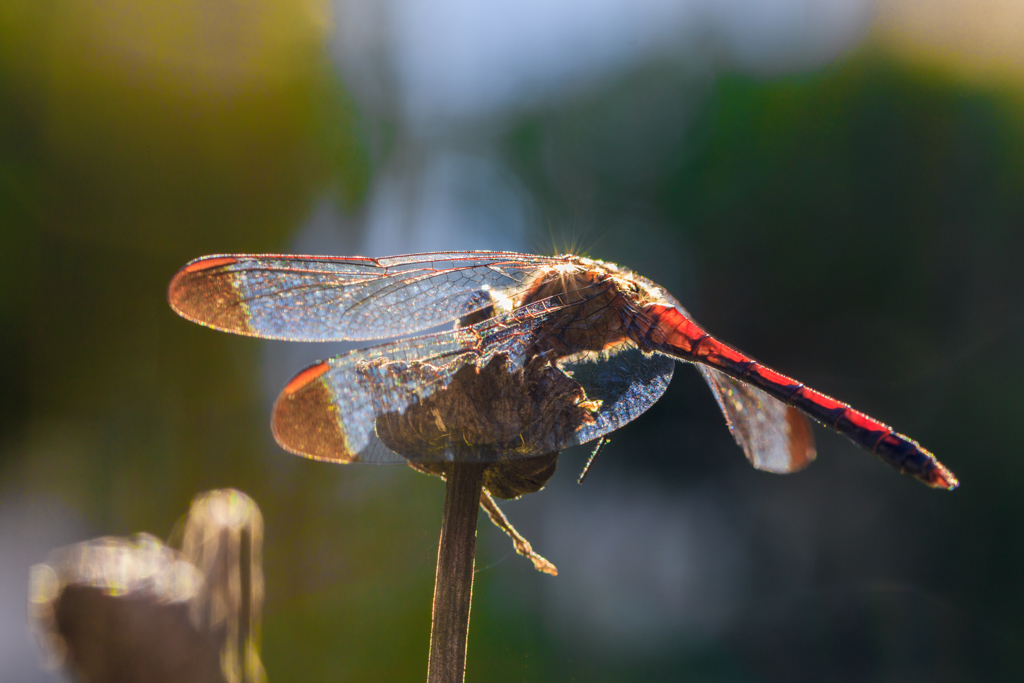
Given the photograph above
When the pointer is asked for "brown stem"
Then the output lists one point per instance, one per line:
(453, 590)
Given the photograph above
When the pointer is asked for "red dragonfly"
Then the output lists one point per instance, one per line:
(612, 331)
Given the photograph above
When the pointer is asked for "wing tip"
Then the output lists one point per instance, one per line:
(801, 440)
(203, 293)
(303, 379)
(305, 419)
(206, 262)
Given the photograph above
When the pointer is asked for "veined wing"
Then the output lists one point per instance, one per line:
(330, 410)
(774, 437)
(627, 382)
(323, 298)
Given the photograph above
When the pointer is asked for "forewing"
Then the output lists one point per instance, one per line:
(323, 298)
(329, 410)
(775, 437)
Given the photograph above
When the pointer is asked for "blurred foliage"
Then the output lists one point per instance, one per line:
(121, 161)
(858, 227)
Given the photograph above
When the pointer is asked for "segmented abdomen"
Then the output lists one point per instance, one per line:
(667, 329)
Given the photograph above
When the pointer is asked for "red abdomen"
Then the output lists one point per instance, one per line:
(668, 330)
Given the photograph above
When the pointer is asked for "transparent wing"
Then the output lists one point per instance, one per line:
(334, 410)
(330, 411)
(322, 298)
(627, 382)
(775, 437)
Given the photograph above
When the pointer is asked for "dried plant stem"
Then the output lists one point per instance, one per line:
(453, 590)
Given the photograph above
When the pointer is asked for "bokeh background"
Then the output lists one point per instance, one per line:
(835, 187)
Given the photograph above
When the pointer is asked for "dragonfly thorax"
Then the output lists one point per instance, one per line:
(595, 302)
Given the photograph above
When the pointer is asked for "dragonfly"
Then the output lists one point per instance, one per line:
(612, 334)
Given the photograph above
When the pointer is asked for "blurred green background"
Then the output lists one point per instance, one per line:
(853, 215)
